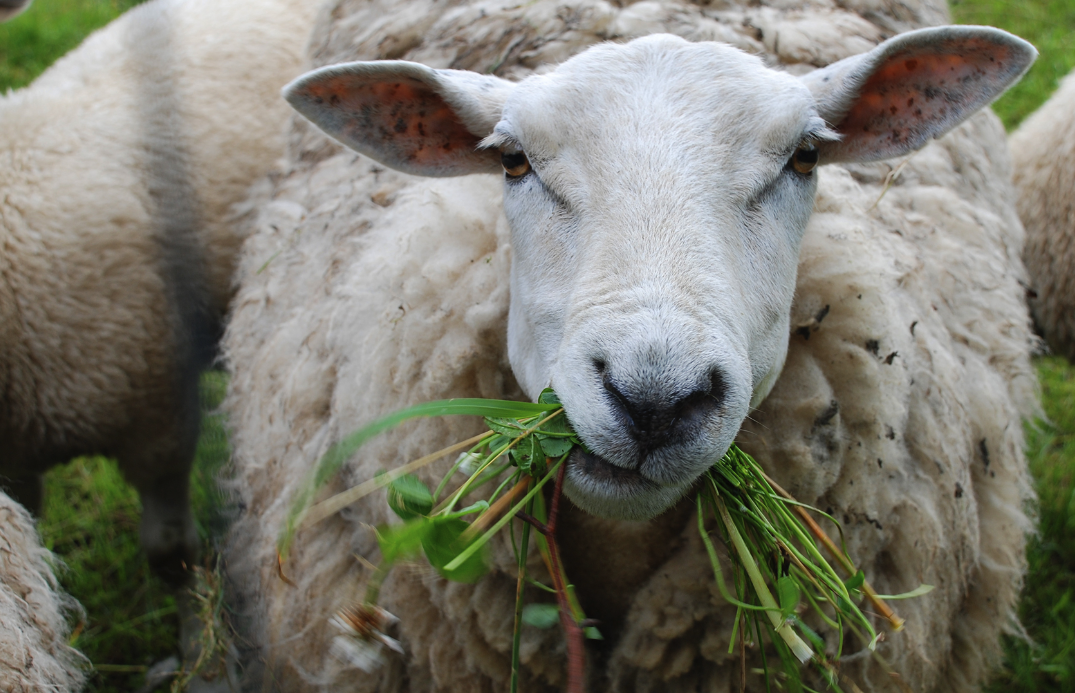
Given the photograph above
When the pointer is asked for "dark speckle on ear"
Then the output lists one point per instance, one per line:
(924, 86)
(403, 121)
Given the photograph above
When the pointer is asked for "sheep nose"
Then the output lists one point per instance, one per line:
(654, 418)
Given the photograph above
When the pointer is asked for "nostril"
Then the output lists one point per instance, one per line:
(621, 400)
(718, 387)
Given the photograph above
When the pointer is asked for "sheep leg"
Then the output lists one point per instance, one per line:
(167, 532)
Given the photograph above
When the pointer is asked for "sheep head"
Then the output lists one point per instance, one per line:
(657, 192)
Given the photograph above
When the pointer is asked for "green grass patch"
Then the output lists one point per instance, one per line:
(91, 520)
(36, 38)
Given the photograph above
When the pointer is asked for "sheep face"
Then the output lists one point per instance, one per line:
(657, 192)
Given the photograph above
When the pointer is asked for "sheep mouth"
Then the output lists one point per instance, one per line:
(600, 471)
(601, 488)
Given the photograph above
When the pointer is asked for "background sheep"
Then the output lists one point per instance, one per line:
(1043, 158)
(10, 8)
(122, 164)
(34, 655)
(897, 410)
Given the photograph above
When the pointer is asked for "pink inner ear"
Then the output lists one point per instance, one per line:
(917, 94)
(401, 117)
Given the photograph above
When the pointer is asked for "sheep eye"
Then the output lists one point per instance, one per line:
(516, 165)
(805, 158)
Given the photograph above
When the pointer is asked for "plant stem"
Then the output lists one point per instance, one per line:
(576, 657)
(331, 506)
(496, 510)
(516, 636)
(891, 616)
(469, 551)
(801, 650)
(573, 633)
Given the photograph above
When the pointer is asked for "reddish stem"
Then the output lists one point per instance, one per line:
(576, 647)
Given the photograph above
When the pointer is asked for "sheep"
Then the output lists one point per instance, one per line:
(9, 9)
(34, 654)
(364, 290)
(122, 167)
(1043, 154)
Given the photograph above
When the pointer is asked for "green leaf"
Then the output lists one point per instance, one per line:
(529, 457)
(402, 541)
(549, 396)
(592, 633)
(409, 497)
(505, 427)
(557, 427)
(541, 615)
(555, 447)
(442, 545)
(788, 592)
(855, 581)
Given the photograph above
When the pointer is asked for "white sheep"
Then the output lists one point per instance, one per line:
(1043, 159)
(121, 168)
(34, 654)
(898, 407)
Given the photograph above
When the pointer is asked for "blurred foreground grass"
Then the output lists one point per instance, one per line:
(91, 516)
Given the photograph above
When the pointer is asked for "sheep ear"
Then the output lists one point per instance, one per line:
(405, 115)
(915, 86)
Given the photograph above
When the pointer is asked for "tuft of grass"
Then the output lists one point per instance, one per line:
(90, 518)
(36, 38)
(1049, 25)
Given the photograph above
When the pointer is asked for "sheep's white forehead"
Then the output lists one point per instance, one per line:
(696, 94)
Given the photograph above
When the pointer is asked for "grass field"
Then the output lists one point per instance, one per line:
(91, 516)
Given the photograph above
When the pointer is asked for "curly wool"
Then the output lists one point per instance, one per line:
(364, 290)
(1043, 159)
(34, 654)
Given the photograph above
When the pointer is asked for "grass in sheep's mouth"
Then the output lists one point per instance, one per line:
(780, 578)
